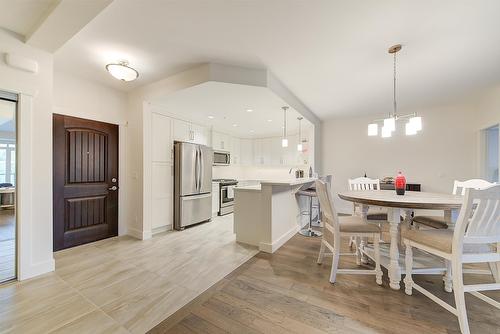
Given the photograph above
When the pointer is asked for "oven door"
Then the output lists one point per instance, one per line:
(226, 196)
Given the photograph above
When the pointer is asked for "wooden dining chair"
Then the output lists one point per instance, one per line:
(459, 187)
(475, 239)
(336, 227)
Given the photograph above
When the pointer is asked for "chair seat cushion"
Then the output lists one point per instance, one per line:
(356, 224)
(438, 239)
(307, 192)
(431, 221)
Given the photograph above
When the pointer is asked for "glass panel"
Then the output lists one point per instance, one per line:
(7, 195)
(492, 154)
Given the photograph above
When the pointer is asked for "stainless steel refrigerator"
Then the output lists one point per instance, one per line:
(192, 184)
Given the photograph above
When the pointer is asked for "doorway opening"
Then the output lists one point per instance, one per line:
(8, 223)
(491, 153)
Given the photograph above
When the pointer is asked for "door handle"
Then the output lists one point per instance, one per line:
(113, 188)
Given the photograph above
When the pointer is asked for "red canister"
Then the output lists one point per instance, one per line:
(400, 184)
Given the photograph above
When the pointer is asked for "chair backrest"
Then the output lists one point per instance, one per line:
(479, 218)
(330, 217)
(327, 178)
(470, 184)
(364, 183)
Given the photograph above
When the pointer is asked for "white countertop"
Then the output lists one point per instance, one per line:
(289, 182)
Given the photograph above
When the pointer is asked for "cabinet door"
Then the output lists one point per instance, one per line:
(258, 158)
(246, 152)
(162, 144)
(235, 151)
(200, 134)
(215, 199)
(182, 130)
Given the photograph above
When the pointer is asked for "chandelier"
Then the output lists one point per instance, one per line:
(414, 122)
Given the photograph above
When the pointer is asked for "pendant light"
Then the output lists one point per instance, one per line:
(414, 123)
(122, 71)
(299, 145)
(284, 140)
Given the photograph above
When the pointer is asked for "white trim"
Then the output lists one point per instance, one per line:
(273, 247)
(161, 229)
(141, 235)
(26, 267)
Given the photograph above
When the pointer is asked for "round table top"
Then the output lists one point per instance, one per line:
(410, 200)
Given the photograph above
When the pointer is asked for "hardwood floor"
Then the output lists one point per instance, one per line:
(287, 292)
(122, 285)
(7, 245)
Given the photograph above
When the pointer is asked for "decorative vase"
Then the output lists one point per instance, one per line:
(400, 184)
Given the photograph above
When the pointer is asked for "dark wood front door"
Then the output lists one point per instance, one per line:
(85, 181)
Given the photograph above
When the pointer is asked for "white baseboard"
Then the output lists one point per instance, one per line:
(161, 229)
(37, 269)
(275, 245)
(138, 234)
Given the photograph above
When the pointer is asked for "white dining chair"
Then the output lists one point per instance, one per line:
(475, 239)
(336, 227)
(374, 214)
(459, 188)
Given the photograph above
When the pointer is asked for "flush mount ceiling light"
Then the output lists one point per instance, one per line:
(284, 140)
(414, 123)
(122, 71)
(249, 110)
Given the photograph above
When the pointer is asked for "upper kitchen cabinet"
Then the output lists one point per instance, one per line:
(189, 132)
(221, 141)
(246, 151)
(161, 146)
(235, 151)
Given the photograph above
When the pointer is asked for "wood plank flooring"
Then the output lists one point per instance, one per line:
(123, 285)
(287, 292)
(7, 245)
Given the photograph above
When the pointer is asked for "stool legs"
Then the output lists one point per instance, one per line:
(309, 232)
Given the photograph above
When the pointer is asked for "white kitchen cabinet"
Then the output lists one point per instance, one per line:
(161, 145)
(235, 151)
(221, 141)
(189, 132)
(258, 158)
(215, 198)
(200, 134)
(246, 151)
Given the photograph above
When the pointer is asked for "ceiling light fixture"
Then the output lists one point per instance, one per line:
(211, 117)
(249, 110)
(284, 140)
(122, 71)
(269, 120)
(414, 123)
(299, 145)
(235, 125)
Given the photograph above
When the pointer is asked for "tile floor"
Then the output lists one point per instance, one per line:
(123, 285)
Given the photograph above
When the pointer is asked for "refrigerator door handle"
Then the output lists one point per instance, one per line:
(202, 168)
(196, 170)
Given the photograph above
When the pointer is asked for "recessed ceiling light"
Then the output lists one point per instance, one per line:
(249, 110)
(122, 71)
(211, 117)
(252, 131)
(269, 120)
(235, 125)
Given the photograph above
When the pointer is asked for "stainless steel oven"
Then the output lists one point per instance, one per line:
(226, 198)
(222, 158)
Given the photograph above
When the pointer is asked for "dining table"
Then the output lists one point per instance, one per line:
(403, 206)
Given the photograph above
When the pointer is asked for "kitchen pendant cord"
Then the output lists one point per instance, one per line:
(394, 88)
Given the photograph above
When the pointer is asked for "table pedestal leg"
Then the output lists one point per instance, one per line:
(363, 241)
(394, 268)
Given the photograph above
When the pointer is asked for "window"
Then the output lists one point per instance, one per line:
(7, 162)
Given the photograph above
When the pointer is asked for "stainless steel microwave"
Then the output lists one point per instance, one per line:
(222, 158)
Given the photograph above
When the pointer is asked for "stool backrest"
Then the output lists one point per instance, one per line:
(479, 218)
(469, 184)
(327, 178)
(364, 183)
(330, 217)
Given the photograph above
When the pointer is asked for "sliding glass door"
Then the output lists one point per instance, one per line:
(8, 237)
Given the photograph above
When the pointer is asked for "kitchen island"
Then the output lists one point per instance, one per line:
(269, 214)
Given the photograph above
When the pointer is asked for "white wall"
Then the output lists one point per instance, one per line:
(75, 96)
(34, 155)
(442, 152)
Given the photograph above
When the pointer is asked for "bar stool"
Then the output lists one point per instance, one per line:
(311, 194)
